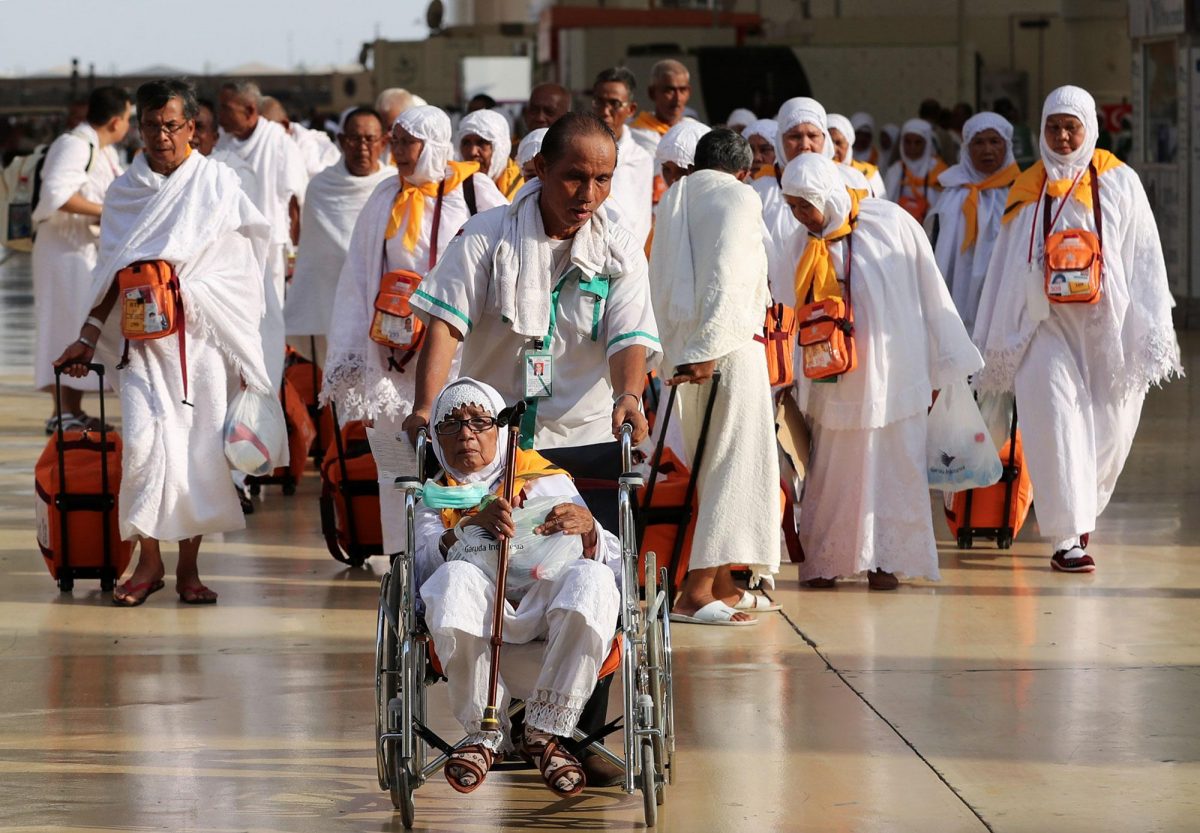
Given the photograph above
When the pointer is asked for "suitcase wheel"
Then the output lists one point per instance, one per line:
(964, 539)
(254, 488)
(108, 584)
(66, 584)
(356, 561)
(1004, 542)
(289, 487)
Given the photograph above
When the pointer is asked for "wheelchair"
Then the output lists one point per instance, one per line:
(409, 752)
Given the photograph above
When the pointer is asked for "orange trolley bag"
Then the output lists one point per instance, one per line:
(77, 480)
(350, 518)
(996, 512)
(666, 518)
(305, 377)
(301, 431)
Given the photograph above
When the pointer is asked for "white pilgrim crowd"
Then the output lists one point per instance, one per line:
(575, 260)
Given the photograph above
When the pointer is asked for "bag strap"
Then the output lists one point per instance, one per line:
(468, 187)
(437, 224)
(1096, 212)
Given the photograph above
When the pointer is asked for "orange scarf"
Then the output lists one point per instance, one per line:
(918, 184)
(530, 466)
(764, 171)
(1028, 187)
(510, 180)
(411, 200)
(646, 120)
(865, 168)
(1002, 178)
(815, 269)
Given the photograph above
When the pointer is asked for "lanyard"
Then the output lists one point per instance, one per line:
(1044, 196)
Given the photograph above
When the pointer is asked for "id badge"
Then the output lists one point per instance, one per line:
(539, 374)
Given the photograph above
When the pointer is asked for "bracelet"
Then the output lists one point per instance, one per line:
(636, 399)
(94, 322)
(87, 342)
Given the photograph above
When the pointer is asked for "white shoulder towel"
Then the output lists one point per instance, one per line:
(272, 171)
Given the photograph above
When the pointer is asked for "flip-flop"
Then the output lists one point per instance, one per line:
(194, 591)
(713, 613)
(754, 603)
(131, 592)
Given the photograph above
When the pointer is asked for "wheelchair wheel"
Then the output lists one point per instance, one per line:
(667, 725)
(385, 685)
(649, 785)
(402, 795)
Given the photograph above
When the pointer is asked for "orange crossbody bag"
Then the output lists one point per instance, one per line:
(827, 332)
(779, 338)
(151, 304)
(1074, 258)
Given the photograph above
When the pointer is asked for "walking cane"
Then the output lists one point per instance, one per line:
(512, 418)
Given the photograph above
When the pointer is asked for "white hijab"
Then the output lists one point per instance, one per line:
(843, 125)
(432, 126)
(766, 128)
(492, 127)
(797, 111)
(964, 172)
(531, 145)
(1077, 102)
(678, 145)
(923, 164)
(817, 181)
(741, 116)
(863, 121)
(458, 394)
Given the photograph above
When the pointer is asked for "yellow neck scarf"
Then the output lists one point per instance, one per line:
(411, 201)
(815, 269)
(918, 183)
(510, 180)
(530, 466)
(865, 168)
(646, 120)
(764, 171)
(1028, 187)
(1002, 178)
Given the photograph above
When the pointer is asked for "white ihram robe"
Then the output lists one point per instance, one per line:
(272, 171)
(633, 186)
(866, 501)
(64, 252)
(175, 480)
(556, 636)
(316, 148)
(1080, 372)
(708, 279)
(357, 377)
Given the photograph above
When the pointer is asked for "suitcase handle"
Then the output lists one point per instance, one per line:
(64, 544)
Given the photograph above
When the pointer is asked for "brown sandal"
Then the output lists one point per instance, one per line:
(544, 758)
(459, 760)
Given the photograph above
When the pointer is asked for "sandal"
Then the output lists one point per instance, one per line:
(555, 763)
(132, 595)
(466, 760)
(196, 594)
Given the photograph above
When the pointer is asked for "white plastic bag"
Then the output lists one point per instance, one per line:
(255, 433)
(959, 451)
(531, 557)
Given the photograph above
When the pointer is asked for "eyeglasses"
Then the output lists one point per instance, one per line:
(608, 103)
(170, 127)
(450, 427)
(351, 139)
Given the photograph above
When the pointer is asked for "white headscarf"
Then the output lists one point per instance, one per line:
(432, 126)
(766, 128)
(843, 125)
(863, 121)
(923, 164)
(816, 180)
(458, 394)
(531, 145)
(741, 116)
(678, 145)
(797, 111)
(1077, 102)
(965, 171)
(491, 127)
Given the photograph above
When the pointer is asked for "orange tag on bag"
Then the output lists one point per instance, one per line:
(394, 324)
(826, 339)
(779, 338)
(1073, 267)
(151, 305)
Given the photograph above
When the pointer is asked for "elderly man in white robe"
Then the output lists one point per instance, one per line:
(332, 203)
(708, 276)
(1080, 371)
(273, 175)
(966, 221)
(670, 90)
(406, 224)
(179, 207)
(485, 138)
(632, 193)
(76, 173)
(317, 149)
(557, 630)
(866, 501)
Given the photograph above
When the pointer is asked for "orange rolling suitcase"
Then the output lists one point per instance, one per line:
(304, 376)
(997, 512)
(77, 480)
(350, 518)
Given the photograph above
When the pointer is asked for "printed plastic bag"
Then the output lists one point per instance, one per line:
(255, 433)
(531, 557)
(959, 452)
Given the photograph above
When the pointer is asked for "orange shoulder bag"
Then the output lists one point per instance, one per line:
(779, 338)
(1074, 258)
(152, 307)
(918, 204)
(827, 331)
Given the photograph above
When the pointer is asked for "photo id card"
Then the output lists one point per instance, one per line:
(539, 374)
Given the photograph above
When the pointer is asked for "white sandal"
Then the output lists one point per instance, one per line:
(756, 603)
(713, 613)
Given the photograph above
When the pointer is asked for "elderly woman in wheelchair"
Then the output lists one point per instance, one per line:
(562, 598)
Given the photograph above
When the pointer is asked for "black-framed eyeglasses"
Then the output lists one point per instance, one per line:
(608, 103)
(171, 127)
(351, 139)
(479, 424)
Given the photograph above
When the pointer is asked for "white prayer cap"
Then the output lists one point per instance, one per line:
(678, 145)
(766, 128)
(531, 145)
(863, 121)
(842, 125)
(741, 116)
(1077, 102)
(492, 127)
(460, 393)
(432, 126)
(922, 128)
(816, 180)
(797, 111)
(965, 171)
